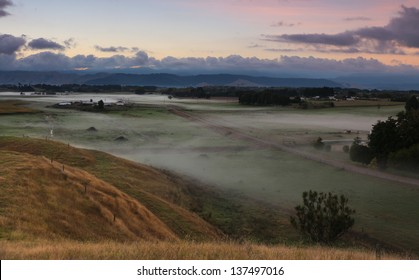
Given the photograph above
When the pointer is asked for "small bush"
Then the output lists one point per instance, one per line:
(319, 145)
(323, 218)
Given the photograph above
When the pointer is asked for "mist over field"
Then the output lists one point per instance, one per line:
(209, 149)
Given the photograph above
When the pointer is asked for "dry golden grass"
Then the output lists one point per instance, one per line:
(40, 199)
(177, 250)
(14, 107)
(163, 195)
(60, 152)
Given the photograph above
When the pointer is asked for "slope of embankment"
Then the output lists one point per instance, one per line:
(53, 189)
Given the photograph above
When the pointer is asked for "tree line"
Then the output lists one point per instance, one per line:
(265, 98)
(393, 142)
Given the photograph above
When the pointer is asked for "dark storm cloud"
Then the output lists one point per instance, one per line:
(405, 27)
(10, 44)
(44, 44)
(3, 5)
(401, 31)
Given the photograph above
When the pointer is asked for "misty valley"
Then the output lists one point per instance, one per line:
(251, 163)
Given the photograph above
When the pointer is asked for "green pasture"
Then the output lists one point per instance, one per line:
(385, 210)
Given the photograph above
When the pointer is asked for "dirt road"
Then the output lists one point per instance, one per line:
(237, 134)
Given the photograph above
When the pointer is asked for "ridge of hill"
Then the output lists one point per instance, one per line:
(132, 201)
(157, 79)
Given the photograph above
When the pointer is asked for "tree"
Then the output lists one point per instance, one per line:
(395, 135)
(412, 104)
(323, 218)
(101, 104)
(408, 128)
(383, 140)
(360, 153)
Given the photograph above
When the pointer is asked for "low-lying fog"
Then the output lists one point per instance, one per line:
(159, 138)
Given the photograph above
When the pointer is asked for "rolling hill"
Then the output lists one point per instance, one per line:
(159, 79)
(89, 194)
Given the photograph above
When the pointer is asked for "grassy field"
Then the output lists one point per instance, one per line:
(84, 216)
(14, 107)
(240, 172)
(277, 176)
(367, 103)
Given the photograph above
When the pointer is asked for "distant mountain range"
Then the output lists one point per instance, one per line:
(377, 81)
(381, 81)
(163, 80)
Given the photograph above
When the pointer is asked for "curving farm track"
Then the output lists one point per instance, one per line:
(237, 134)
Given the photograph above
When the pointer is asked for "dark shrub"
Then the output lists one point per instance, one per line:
(323, 217)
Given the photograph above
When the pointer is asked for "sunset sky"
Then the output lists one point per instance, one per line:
(275, 37)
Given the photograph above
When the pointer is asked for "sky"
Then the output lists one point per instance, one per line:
(322, 38)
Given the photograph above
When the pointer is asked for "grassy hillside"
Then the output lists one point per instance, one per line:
(53, 176)
(61, 202)
(40, 199)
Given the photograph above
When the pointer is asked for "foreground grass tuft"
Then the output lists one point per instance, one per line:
(179, 250)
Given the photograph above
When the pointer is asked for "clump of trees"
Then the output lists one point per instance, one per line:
(394, 138)
(323, 218)
(394, 141)
(264, 98)
(321, 92)
(190, 92)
